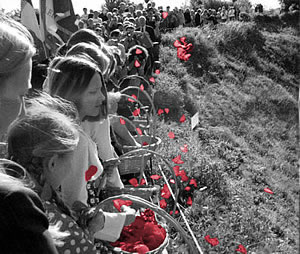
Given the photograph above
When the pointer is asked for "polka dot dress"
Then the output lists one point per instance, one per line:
(77, 241)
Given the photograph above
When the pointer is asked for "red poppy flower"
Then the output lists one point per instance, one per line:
(171, 135)
(187, 188)
(138, 51)
(176, 170)
(172, 181)
(118, 203)
(164, 15)
(163, 203)
(184, 148)
(136, 112)
(152, 80)
(139, 131)
(157, 71)
(176, 212)
(155, 177)
(141, 249)
(193, 182)
(189, 201)
(177, 160)
(133, 96)
(182, 119)
(134, 182)
(268, 191)
(160, 111)
(241, 249)
(137, 64)
(145, 143)
(122, 121)
(211, 241)
(165, 192)
(167, 110)
(90, 172)
(143, 181)
(183, 175)
(142, 87)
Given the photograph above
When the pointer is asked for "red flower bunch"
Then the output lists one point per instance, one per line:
(184, 49)
(143, 235)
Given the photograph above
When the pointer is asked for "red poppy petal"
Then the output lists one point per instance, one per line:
(189, 201)
(139, 131)
(122, 121)
(241, 249)
(193, 182)
(182, 39)
(152, 79)
(182, 119)
(90, 172)
(184, 148)
(118, 203)
(138, 51)
(160, 111)
(176, 170)
(164, 15)
(178, 160)
(143, 181)
(134, 182)
(211, 241)
(176, 212)
(167, 110)
(177, 44)
(163, 204)
(268, 191)
(133, 96)
(171, 135)
(157, 71)
(165, 192)
(155, 177)
(142, 87)
(145, 143)
(137, 64)
(187, 188)
(172, 181)
(136, 112)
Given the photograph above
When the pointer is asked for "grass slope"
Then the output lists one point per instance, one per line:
(244, 83)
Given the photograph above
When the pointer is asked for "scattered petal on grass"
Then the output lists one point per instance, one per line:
(145, 143)
(138, 51)
(157, 71)
(165, 192)
(160, 111)
(163, 204)
(268, 191)
(241, 249)
(182, 119)
(142, 87)
(134, 182)
(193, 182)
(189, 201)
(118, 203)
(211, 241)
(183, 175)
(171, 135)
(178, 160)
(187, 188)
(152, 80)
(139, 131)
(164, 15)
(155, 177)
(172, 181)
(167, 110)
(133, 96)
(122, 121)
(176, 170)
(184, 148)
(136, 112)
(137, 64)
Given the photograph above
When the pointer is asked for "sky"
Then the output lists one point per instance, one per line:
(96, 4)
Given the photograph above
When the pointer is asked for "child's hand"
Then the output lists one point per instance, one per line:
(96, 223)
(130, 214)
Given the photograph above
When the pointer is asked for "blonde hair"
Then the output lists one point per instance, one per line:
(16, 46)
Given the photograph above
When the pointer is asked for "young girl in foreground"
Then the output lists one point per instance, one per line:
(45, 141)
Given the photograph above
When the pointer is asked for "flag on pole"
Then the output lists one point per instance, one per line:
(29, 19)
